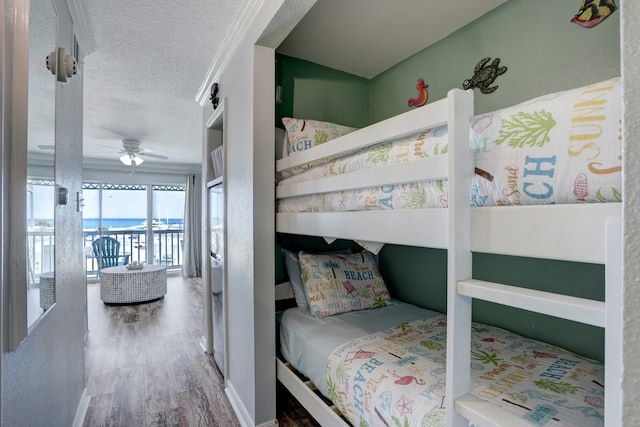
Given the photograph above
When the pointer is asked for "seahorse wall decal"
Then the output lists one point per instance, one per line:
(530, 129)
(423, 95)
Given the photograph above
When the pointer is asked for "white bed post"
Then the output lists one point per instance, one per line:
(459, 253)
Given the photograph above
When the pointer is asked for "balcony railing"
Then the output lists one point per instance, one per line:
(167, 249)
(40, 254)
(167, 246)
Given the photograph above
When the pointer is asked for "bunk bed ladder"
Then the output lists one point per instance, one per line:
(461, 406)
(458, 258)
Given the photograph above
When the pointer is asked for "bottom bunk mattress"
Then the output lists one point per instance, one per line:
(386, 366)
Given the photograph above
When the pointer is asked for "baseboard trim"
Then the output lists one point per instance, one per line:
(204, 345)
(241, 411)
(81, 412)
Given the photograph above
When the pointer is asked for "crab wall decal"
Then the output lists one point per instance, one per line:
(484, 75)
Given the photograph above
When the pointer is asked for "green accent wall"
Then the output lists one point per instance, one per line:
(312, 91)
(544, 53)
(542, 50)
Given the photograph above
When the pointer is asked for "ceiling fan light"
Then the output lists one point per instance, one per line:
(138, 160)
(126, 160)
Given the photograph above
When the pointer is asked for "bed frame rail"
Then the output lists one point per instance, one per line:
(565, 307)
(403, 227)
(429, 168)
(426, 117)
(314, 404)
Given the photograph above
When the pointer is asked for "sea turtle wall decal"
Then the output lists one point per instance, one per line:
(484, 75)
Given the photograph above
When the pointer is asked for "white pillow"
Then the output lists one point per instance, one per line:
(304, 134)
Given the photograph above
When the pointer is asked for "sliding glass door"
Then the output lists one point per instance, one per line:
(146, 220)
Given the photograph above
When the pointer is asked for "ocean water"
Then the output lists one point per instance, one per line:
(93, 223)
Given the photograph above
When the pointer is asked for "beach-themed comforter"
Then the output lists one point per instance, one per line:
(396, 377)
(560, 148)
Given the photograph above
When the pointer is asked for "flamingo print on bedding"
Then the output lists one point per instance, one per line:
(397, 377)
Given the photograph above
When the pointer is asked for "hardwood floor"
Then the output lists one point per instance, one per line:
(145, 366)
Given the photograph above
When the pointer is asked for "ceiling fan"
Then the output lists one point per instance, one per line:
(134, 155)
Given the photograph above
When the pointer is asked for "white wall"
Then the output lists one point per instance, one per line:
(43, 379)
(245, 71)
(630, 16)
(247, 83)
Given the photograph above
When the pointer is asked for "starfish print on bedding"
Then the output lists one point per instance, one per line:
(404, 406)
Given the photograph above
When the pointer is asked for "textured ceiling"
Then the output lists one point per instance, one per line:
(152, 56)
(150, 59)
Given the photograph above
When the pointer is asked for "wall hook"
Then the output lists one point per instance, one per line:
(214, 95)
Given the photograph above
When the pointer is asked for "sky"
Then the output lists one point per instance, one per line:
(115, 204)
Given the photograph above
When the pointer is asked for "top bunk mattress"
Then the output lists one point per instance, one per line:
(560, 148)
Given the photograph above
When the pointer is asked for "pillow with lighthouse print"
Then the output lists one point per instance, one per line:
(340, 283)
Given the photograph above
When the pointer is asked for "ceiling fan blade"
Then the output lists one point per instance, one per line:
(116, 149)
(46, 146)
(154, 156)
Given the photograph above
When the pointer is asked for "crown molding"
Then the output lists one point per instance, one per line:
(81, 27)
(228, 47)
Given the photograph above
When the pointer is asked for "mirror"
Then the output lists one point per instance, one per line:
(40, 167)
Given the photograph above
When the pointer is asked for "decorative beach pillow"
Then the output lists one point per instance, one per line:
(341, 283)
(292, 266)
(304, 134)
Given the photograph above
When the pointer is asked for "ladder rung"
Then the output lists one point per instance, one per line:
(485, 414)
(572, 308)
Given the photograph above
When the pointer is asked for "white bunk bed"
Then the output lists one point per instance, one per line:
(552, 232)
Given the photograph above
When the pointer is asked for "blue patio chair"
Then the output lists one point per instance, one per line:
(107, 253)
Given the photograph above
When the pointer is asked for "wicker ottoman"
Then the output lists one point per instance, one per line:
(47, 290)
(119, 285)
